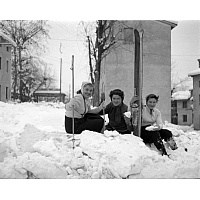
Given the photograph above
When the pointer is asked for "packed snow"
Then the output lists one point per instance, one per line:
(34, 144)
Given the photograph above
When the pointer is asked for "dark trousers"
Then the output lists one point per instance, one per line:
(109, 128)
(91, 122)
(155, 136)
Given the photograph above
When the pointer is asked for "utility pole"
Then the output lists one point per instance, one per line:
(60, 71)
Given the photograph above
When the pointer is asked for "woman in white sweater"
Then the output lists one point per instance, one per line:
(85, 118)
(152, 126)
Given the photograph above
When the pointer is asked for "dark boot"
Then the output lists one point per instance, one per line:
(162, 147)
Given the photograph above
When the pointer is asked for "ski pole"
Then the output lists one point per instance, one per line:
(72, 68)
(103, 99)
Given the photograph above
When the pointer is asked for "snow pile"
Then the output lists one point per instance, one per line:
(42, 149)
(181, 95)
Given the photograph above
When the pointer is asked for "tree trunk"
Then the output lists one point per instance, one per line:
(15, 75)
(20, 75)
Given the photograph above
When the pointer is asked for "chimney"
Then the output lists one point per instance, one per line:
(199, 62)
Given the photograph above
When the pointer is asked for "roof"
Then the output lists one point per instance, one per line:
(48, 92)
(181, 95)
(8, 39)
(195, 72)
(172, 23)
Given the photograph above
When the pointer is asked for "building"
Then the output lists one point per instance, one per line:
(196, 96)
(118, 66)
(49, 96)
(5, 67)
(182, 108)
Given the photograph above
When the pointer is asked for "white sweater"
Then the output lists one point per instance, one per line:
(81, 107)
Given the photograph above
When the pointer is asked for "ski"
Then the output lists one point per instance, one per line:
(136, 102)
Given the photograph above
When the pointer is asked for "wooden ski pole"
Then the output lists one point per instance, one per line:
(140, 82)
(103, 99)
(72, 68)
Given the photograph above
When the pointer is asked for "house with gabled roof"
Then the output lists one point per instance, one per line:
(182, 108)
(117, 68)
(6, 44)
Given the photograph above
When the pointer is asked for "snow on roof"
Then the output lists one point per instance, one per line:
(181, 95)
(195, 72)
(8, 38)
(48, 92)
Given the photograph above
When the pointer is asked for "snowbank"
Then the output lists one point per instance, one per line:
(33, 144)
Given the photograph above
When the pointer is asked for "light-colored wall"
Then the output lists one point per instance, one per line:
(196, 93)
(5, 77)
(118, 66)
(184, 111)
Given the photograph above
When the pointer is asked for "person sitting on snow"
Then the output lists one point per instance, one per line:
(151, 116)
(115, 110)
(85, 118)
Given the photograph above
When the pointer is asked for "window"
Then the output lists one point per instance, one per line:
(0, 62)
(7, 48)
(7, 65)
(128, 35)
(184, 118)
(0, 92)
(199, 83)
(199, 99)
(184, 104)
(6, 93)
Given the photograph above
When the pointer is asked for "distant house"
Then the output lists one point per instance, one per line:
(5, 67)
(118, 66)
(196, 96)
(182, 108)
(49, 96)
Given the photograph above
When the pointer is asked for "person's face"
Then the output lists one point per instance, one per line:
(87, 91)
(116, 100)
(151, 103)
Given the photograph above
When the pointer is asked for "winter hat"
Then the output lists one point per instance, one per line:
(84, 84)
(117, 92)
(150, 96)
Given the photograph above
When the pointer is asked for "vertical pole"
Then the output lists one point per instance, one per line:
(140, 83)
(137, 78)
(60, 77)
(72, 68)
(60, 70)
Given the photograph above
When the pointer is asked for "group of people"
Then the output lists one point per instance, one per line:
(88, 118)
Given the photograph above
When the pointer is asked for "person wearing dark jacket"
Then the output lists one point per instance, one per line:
(115, 110)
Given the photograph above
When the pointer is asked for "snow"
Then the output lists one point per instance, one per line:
(34, 144)
(181, 95)
(194, 72)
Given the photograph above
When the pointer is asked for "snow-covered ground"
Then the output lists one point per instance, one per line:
(34, 144)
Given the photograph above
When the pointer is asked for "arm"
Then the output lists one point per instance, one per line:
(96, 110)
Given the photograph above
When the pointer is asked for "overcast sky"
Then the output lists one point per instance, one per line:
(185, 46)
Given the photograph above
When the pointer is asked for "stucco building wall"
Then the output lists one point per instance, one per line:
(118, 66)
(5, 73)
(196, 101)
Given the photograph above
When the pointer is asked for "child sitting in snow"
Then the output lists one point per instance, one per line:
(85, 118)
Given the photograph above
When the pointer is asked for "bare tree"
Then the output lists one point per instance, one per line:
(178, 83)
(30, 37)
(99, 46)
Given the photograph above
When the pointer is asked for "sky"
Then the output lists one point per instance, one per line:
(185, 46)
(66, 41)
